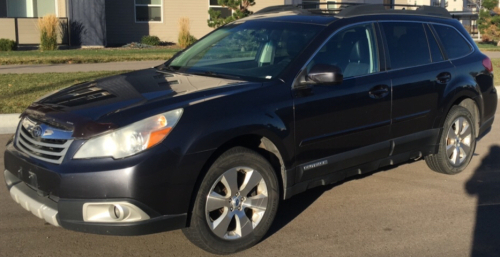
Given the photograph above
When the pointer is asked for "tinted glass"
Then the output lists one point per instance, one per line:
(407, 44)
(454, 44)
(353, 50)
(436, 54)
(147, 13)
(250, 50)
(155, 2)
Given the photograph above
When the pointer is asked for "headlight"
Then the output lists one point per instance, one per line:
(131, 139)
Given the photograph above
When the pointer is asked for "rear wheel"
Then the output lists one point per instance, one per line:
(236, 203)
(457, 143)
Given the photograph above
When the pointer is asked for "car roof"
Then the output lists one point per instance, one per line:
(292, 16)
(325, 16)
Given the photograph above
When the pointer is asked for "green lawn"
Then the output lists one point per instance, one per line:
(488, 47)
(86, 55)
(496, 71)
(17, 91)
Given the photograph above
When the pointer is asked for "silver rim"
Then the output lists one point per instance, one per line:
(236, 203)
(458, 141)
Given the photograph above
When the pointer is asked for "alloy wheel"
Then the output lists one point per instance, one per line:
(458, 141)
(236, 203)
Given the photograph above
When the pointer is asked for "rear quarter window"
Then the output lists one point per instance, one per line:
(454, 43)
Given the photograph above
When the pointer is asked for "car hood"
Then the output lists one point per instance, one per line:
(87, 109)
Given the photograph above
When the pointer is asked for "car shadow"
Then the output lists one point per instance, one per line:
(290, 209)
(485, 184)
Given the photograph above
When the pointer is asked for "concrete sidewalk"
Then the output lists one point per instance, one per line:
(111, 66)
(45, 68)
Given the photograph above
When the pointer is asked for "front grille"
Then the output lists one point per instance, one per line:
(46, 149)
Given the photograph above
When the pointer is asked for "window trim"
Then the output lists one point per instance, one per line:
(304, 67)
(32, 10)
(297, 77)
(217, 6)
(437, 38)
(148, 5)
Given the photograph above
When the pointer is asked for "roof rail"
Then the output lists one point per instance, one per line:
(374, 9)
(346, 10)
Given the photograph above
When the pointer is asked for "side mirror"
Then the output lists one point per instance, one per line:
(321, 74)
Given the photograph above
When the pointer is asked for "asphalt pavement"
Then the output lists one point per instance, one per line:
(404, 211)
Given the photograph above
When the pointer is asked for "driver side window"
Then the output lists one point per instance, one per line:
(353, 50)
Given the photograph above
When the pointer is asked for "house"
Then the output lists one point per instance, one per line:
(117, 22)
(112, 22)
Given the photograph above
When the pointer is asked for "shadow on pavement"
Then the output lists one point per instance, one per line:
(290, 209)
(485, 184)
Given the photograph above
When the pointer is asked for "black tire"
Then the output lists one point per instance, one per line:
(201, 234)
(442, 161)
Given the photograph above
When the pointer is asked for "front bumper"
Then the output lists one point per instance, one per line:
(42, 207)
(68, 213)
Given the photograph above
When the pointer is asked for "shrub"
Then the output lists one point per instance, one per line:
(151, 40)
(7, 45)
(48, 32)
(185, 38)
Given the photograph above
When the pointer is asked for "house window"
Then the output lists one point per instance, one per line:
(31, 8)
(311, 4)
(148, 10)
(224, 12)
(331, 5)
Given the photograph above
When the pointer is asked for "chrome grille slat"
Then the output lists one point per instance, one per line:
(65, 145)
(36, 150)
(39, 149)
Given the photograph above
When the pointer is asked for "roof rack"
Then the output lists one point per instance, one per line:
(346, 10)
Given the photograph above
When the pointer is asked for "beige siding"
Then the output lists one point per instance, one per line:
(7, 29)
(61, 8)
(122, 28)
(259, 4)
(28, 32)
(195, 10)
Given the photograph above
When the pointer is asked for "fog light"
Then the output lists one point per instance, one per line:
(118, 212)
(112, 212)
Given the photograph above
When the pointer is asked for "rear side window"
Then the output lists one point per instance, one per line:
(436, 54)
(454, 44)
(407, 44)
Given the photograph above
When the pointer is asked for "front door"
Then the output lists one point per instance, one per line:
(344, 125)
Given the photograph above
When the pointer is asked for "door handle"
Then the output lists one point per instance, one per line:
(379, 91)
(443, 77)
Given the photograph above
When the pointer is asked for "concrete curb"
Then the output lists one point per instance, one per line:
(8, 122)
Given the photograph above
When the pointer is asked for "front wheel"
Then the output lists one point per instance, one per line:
(236, 203)
(457, 143)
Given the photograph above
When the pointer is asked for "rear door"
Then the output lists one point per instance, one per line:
(419, 74)
(340, 126)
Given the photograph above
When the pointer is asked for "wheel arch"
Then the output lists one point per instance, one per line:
(256, 142)
(469, 97)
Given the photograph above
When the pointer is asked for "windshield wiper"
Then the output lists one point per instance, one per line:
(214, 74)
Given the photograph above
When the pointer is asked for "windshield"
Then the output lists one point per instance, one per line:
(250, 50)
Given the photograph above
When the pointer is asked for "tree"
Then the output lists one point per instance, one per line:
(488, 24)
(490, 4)
(239, 10)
